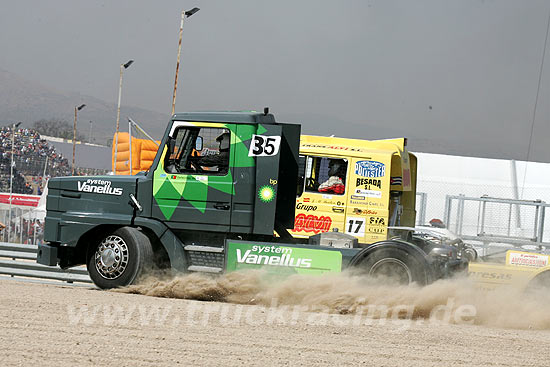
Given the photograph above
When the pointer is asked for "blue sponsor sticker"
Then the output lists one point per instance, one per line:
(370, 169)
(163, 175)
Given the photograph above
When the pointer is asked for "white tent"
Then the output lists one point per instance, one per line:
(38, 213)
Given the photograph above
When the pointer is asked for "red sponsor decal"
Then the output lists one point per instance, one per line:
(406, 178)
(306, 200)
(312, 223)
(20, 199)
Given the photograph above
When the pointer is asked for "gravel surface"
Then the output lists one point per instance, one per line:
(54, 325)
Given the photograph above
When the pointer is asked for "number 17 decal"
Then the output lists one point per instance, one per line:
(355, 226)
(264, 146)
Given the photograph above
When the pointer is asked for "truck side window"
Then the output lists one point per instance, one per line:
(326, 175)
(211, 159)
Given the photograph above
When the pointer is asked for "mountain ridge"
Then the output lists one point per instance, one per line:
(30, 101)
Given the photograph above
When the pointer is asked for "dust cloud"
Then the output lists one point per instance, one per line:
(345, 293)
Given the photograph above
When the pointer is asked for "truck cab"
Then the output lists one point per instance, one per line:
(354, 186)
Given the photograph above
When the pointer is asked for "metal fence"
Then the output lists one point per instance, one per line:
(488, 219)
(20, 260)
(23, 227)
(421, 204)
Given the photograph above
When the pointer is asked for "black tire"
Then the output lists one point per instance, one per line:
(470, 254)
(120, 258)
(540, 283)
(396, 265)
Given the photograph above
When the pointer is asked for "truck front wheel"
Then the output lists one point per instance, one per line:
(120, 258)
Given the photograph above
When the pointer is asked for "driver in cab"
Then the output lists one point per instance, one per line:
(220, 159)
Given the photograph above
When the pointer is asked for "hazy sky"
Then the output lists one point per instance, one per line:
(463, 70)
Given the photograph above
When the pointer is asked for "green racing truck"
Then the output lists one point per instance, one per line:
(220, 196)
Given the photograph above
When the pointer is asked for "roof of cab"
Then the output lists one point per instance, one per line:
(354, 147)
(234, 117)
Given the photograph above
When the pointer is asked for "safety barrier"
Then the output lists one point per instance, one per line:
(518, 222)
(20, 260)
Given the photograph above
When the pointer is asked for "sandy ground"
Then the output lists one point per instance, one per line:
(54, 325)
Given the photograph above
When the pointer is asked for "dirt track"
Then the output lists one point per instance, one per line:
(42, 325)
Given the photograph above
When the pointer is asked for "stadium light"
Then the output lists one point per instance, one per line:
(76, 109)
(184, 14)
(14, 126)
(122, 67)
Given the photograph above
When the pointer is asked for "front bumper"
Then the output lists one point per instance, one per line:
(47, 254)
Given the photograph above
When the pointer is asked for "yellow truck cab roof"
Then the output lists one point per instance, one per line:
(355, 147)
(368, 149)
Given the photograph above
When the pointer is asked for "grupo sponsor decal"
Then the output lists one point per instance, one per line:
(312, 223)
(527, 259)
(250, 255)
(370, 169)
(99, 187)
(306, 207)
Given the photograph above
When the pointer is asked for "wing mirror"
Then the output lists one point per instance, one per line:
(198, 144)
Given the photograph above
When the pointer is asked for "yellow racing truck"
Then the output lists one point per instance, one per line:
(522, 269)
(354, 186)
(365, 190)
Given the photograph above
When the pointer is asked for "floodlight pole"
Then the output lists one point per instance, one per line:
(76, 109)
(11, 175)
(130, 136)
(122, 67)
(184, 14)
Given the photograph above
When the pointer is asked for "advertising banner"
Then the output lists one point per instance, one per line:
(281, 258)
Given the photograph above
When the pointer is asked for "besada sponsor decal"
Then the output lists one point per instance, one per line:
(369, 183)
(370, 169)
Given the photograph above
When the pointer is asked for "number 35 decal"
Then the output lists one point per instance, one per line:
(264, 146)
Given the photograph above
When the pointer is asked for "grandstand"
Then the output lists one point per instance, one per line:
(34, 159)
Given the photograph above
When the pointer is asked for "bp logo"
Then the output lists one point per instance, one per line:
(370, 169)
(266, 193)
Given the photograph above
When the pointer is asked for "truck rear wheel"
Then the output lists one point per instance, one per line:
(395, 266)
(541, 283)
(120, 258)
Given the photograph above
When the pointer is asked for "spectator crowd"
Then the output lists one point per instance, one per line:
(32, 158)
(34, 162)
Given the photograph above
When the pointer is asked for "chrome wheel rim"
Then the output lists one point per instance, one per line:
(393, 269)
(111, 257)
